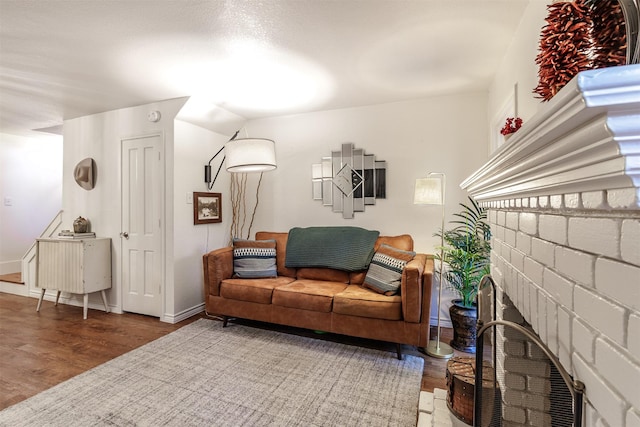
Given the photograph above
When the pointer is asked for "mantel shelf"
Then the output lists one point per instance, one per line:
(587, 138)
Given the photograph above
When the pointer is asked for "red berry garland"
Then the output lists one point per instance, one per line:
(512, 125)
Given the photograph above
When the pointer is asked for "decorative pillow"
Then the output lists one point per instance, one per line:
(385, 271)
(254, 258)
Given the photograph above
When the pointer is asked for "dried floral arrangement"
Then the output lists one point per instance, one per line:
(579, 35)
(511, 125)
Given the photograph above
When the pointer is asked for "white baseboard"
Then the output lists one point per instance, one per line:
(14, 289)
(185, 314)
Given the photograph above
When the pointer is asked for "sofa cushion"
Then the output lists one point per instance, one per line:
(357, 277)
(362, 302)
(385, 271)
(314, 295)
(327, 274)
(254, 258)
(253, 290)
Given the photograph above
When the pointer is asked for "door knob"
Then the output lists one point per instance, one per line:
(124, 234)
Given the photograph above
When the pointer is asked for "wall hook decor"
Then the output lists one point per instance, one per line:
(85, 173)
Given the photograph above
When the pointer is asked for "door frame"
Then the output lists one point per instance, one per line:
(162, 217)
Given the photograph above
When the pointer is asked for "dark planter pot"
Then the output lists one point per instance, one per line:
(464, 326)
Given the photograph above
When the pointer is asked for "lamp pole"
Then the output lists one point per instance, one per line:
(435, 348)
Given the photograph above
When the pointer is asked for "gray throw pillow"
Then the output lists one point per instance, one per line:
(254, 258)
(385, 271)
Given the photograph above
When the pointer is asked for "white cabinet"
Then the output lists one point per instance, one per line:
(78, 266)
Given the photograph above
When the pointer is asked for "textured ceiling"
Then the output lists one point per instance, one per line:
(61, 59)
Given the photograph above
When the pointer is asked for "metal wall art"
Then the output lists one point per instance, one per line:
(349, 180)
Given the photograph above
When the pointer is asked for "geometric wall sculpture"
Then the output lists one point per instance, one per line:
(349, 180)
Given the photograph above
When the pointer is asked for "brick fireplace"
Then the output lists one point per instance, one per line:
(563, 198)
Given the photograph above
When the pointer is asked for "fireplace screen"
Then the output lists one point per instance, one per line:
(524, 383)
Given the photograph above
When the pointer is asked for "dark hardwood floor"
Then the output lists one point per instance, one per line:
(40, 350)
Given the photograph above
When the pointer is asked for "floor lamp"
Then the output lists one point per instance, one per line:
(430, 191)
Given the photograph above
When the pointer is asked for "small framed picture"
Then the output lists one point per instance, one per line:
(207, 208)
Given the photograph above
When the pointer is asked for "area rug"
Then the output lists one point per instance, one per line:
(204, 375)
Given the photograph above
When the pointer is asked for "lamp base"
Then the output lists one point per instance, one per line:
(439, 350)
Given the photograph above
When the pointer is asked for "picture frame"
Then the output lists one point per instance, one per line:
(207, 208)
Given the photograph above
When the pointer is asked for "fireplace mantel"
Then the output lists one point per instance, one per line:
(587, 138)
(563, 204)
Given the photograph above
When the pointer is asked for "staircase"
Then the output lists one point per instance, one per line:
(12, 284)
(24, 282)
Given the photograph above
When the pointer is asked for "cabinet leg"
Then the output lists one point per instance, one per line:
(86, 303)
(40, 299)
(57, 297)
(104, 300)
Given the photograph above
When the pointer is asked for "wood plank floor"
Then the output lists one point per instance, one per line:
(40, 350)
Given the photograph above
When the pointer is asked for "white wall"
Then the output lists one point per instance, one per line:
(518, 67)
(439, 134)
(194, 146)
(99, 136)
(31, 178)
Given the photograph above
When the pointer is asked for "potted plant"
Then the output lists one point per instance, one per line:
(466, 254)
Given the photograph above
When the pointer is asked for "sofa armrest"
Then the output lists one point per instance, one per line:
(217, 266)
(411, 288)
(427, 288)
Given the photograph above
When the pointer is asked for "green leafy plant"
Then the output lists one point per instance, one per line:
(466, 251)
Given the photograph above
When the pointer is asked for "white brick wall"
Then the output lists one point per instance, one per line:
(576, 265)
(633, 418)
(575, 277)
(529, 223)
(553, 228)
(633, 341)
(610, 405)
(604, 315)
(523, 243)
(516, 382)
(561, 289)
(619, 281)
(593, 200)
(583, 340)
(608, 359)
(630, 241)
(564, 337)
(622, 198)
(543, 252)
(595, 235)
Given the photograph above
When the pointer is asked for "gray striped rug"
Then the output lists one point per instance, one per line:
(203, 375)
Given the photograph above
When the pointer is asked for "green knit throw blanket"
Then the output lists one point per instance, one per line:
(341, 248)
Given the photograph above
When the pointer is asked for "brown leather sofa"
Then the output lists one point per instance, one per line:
(324, 299)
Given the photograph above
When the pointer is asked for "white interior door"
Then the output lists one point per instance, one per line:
(141, 234)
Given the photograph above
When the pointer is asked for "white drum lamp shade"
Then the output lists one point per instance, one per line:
(428, 191)
(250, 155)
